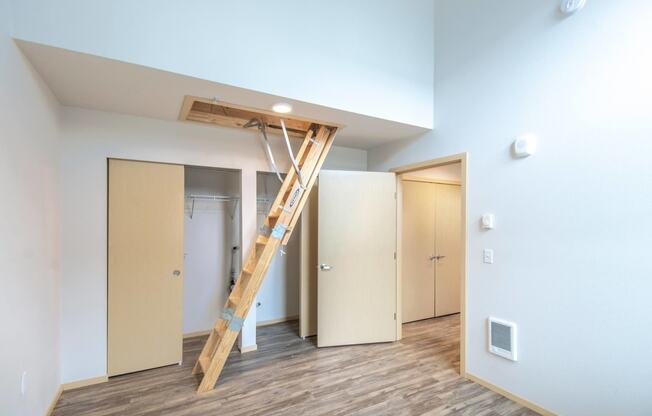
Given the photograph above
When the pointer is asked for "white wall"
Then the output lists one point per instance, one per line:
(211, 229)
(571, 248)
(375, 55)
(29, 233)
(89, 138)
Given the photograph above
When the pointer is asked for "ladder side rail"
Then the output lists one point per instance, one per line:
(290, 176)
(309, 186)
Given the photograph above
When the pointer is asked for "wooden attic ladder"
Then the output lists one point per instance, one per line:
(277, 229)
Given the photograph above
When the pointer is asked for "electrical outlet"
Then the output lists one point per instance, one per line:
(23, 383)
(488, 256)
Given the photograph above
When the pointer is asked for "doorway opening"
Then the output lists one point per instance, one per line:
(278, 297)
(432, 247)
(212, 244)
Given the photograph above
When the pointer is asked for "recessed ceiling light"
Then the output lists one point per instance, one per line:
(282, 108)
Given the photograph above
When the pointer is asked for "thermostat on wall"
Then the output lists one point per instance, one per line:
(524, 145)
(488, 222)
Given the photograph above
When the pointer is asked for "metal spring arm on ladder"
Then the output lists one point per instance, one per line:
(294, 161)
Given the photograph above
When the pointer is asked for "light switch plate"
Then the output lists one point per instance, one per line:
(488, 256)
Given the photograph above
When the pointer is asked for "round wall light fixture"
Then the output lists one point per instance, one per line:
(569, 7)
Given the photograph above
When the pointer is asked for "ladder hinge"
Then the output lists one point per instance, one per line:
(279, 231)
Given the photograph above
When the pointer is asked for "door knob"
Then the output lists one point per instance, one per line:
(176, 273)
(325, 267)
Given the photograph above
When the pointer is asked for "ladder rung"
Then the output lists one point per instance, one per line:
(234, 297)
(231, 302)
(204, 362)
(238, 290)
(211, 344)
(273, 217)
(271, 221)
(262, 239)
(216, 331)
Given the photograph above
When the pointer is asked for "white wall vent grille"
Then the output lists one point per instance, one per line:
(502, 338)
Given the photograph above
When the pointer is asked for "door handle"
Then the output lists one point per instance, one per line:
(325, 267)
(437, 257)
(176, 273)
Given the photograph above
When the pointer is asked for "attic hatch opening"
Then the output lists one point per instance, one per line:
(205, 110)
(209, 111)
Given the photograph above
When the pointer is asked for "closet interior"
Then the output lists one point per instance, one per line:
(278, 298)
(212, 243)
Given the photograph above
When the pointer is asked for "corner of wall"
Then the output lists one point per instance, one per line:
(30, 244)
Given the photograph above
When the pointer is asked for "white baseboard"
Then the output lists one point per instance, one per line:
(196, 334)
(73, 385)
(54, 402)
(277, 321)
(509, 395)
(85, 382)
(248, 348)
(258, 324)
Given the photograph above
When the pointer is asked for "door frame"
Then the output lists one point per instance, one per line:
(462, 159)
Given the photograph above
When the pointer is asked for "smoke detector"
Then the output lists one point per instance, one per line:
(569, 7)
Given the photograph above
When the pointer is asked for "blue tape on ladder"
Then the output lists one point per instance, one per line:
(279, 231)
(227, 314)
(236, 323)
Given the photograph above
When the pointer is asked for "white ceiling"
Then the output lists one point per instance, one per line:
(89, 81)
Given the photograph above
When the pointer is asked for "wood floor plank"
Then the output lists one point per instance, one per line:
(290, 376)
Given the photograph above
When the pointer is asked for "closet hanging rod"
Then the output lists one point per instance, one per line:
(214, 197)
(221, 198)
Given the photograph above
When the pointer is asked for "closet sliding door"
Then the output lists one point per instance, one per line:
(448, 238)
(417, 266)
(145, 261)
(431, 249)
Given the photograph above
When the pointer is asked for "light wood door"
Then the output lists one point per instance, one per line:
(418, 246)
(145, 260)
(308, 268)
(448, 238)
(357, 239)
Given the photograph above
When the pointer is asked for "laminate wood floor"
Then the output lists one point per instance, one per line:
(290, 376)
